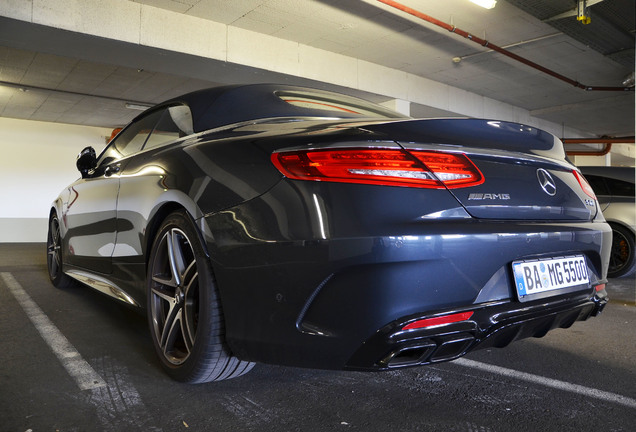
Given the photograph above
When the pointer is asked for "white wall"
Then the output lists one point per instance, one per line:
(37, 160)
(580, 161)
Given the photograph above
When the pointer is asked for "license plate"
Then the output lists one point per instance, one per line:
(539, 276)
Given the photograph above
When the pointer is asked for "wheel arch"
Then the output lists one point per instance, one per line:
(627, 266)
(622, 214)
(154, 223)
(157, 218)
(56, 208)
(614, 222)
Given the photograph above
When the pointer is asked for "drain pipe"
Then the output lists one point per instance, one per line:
(623, 140)
(607, 145)
(605, 150)
(485, 43)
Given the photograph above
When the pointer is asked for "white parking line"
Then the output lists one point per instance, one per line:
(547, 382)
(77, 368)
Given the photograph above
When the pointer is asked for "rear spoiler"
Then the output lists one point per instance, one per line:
(474, 133)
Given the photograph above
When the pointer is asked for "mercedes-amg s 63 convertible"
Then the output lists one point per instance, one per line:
(300, 227)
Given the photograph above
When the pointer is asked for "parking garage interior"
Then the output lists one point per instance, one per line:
(73, 72)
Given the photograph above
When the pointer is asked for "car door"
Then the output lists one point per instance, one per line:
(144, 179)
(90, 214)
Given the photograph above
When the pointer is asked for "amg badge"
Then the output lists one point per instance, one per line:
(488, 196)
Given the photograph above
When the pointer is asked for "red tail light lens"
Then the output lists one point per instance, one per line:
(452, 169)
(390, 167)
(584, 185)
(446, 319)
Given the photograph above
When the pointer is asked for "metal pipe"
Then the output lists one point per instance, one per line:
(606, 149)
(512, 45)
(26, 87)
(623, 140)
(485, 43)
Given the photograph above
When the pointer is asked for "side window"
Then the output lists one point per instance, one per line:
(175, 122)
(620, 188)
(598, 185)
(131, 139)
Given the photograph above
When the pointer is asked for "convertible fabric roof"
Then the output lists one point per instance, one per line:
(220, 106)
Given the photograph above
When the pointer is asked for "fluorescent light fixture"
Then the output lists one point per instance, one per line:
(135, 106)
(488, 4)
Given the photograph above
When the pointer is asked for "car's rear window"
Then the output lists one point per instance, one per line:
(609, 186)
(620, 188)
(598, 184)
(340, 105)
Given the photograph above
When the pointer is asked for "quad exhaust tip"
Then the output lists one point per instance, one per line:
(430, 351)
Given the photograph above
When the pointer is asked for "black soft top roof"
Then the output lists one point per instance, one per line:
(220, 106)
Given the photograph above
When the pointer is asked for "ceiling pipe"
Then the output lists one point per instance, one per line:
(27, 88)
(605, 150)
(516, 44)
(485, 43)
(624, 140)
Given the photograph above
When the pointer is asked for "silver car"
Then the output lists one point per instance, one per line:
(614, 187)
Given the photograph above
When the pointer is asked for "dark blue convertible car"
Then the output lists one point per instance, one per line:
(295, 226)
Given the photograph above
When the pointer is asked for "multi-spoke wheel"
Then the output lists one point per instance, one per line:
(54, 254)
(184, 311)
(622, 257)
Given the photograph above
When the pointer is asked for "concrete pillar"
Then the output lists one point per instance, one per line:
(399, 105)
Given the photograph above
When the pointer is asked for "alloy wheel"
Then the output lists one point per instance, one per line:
(621, 253)
(53, 256)
(174, 302)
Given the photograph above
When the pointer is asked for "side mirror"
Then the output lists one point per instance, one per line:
(86, 161)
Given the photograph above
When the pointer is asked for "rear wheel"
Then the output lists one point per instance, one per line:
(622, 257)
(54, 255)
(184, 311)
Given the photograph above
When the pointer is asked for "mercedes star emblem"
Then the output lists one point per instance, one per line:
(546, 181)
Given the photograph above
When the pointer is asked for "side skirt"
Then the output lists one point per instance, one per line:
(102, 285)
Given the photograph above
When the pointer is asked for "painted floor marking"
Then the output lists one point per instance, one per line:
(548, 382)
(75, 365)
(119, 406)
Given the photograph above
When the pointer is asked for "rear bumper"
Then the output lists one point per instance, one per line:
(494, 325)
(315, 284)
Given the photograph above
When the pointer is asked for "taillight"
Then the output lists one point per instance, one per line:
(390, 167)
(584, 185)
(440, 320)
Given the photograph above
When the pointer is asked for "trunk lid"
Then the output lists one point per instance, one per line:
(527, 175)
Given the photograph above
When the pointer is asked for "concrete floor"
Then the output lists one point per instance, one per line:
(579, 379)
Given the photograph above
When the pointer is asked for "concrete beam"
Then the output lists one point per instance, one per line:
(399, 105)
(134, 23)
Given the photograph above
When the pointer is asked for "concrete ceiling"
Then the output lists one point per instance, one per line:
(51, 74)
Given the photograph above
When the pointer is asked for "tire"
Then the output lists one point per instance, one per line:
(54, 260)
(184, 312)
(622, 257)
